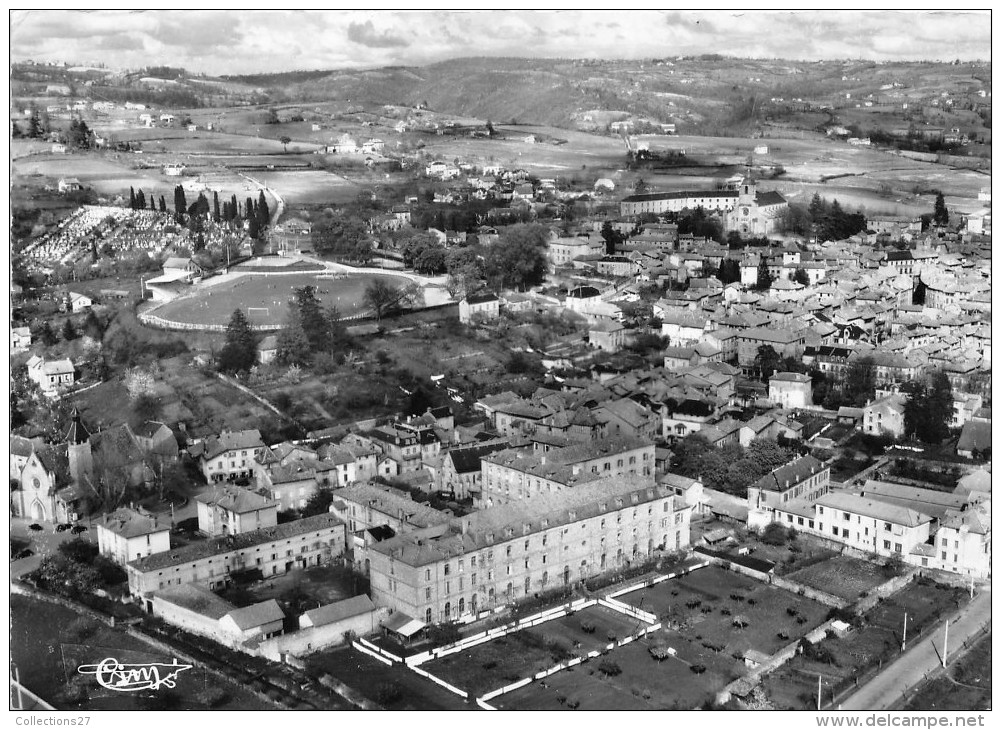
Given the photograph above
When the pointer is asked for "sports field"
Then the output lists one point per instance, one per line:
(264, 297)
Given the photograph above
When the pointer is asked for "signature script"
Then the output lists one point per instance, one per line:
(112, 674)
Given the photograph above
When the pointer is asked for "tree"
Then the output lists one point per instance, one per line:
(342, 235)
(163, 204)
(801, 277)
(774, 534)
(284, 140)
(46, 334)
(311, 316)
(928, 408)
(263, 213)
(216, 217)
(729, 271)
(140, 200)
(465, 272)
(272, 117)
(132, 198)
(518, 258)
(293, 344)
(612, 237)
(69, 332)
(79, 134)
(490, 129)
(319, 503)
(859, 385)
(941, 215)
(766, 361)
(35, 128)
(384, 298)
(240, 351)
(180, 203)
(765, 278)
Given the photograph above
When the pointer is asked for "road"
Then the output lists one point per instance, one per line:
(911, 667)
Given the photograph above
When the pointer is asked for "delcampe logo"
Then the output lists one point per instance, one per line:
(112, 674)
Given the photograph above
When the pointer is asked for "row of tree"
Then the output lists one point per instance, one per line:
(823, 220)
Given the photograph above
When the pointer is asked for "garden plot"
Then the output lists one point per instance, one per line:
(842, 576)
(524, 653)
(630, 678)
(728, 611)
(840, 661)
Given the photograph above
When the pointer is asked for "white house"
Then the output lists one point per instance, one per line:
(790, 390)
(20, 339)
(230, 455)
(233, 510)
(127, 534)
(885, 414)
(53, 375)
(487, 306)
(79, 302)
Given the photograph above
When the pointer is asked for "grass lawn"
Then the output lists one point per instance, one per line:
(841, 576)
(264, 299)
(48, 642)
(644, 684)
(370, 677)
(523, 653)
(704, 603)
(965, 686)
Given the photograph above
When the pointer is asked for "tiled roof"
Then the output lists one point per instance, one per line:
(873, 508)
(334, 612)
(230, 441)
(257, 615)
(129, 523)
(235, 499)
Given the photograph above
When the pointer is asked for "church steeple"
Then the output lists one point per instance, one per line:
(77, 433)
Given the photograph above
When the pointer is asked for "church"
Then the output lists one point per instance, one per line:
(756, 214)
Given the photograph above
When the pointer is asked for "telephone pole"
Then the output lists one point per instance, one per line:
(945, 645)
(903, 644)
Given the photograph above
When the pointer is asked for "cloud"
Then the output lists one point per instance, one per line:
(204, 32)
(365, 34)
(121, 42)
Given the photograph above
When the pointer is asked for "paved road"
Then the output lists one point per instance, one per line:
(888, 686)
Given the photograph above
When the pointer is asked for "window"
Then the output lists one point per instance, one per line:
(886, 544)
(886, 526)
(427, 574)
(427, 594)
(447, 569)
(897, 547)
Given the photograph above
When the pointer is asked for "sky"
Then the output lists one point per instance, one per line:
(242, 41)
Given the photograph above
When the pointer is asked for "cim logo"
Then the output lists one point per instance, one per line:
(112, 674)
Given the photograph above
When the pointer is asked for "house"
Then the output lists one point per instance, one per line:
(482, 306)
(69, 185)
(78, 302)
(364, 506)
(885, 414)
(790, 390)
(59, 149)
(127, 534)
(975, 440)
(228, 456)
(681, 358)
(173, 169)
(609, 336)
(460, 468)
(231, 510)
(267, 349)
(871, 525)
(355, 615)
(157, 441)
(803, 478)
(53, 375)
(20, 339)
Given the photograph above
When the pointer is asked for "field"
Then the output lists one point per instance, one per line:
(841, 576)
(47, 656)
(966, 686)
(395, 687)
(308, 186)
(523, 653)
(644, 684)
(705, 603)
(794, 685)
(216, 302)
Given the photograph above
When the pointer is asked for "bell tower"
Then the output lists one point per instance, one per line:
(81, 460)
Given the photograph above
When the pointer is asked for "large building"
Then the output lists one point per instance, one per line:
(272, 551)
(230, 455)
(522, 473)
(658, 203)
(804, 478)
(516, 550)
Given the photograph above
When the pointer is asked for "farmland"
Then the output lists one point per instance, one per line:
(841, 576)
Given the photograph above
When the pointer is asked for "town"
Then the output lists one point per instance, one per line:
(353, 405)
